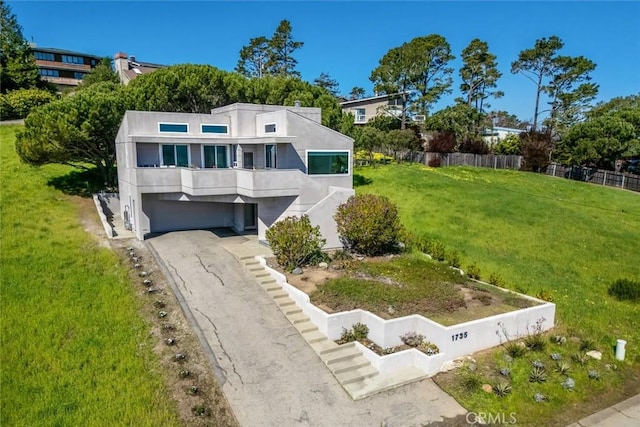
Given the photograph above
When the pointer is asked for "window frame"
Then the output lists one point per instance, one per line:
(226, 126)
(275, 127)
(349, 161)
(171, 124)
(215, 151)
(175, 155)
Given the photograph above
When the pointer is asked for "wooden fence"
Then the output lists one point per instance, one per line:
(626, 181)
(494, 161)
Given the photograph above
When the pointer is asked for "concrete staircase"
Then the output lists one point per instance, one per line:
(346, 362)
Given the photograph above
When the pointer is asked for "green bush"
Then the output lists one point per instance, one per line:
(294, 241)
(473, 271)
(453, 258)
(625, 289)
(19, 103)
(368, 224)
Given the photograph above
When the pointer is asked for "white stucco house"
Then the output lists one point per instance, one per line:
(243, 166)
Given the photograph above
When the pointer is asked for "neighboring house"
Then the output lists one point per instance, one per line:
(366, 109)
(63, 68)
(128, 68)
(496, 134)
(243, 166)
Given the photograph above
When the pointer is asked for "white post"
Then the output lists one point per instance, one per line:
(622, 186)
(554, 169)
(604, 181)
(620, 350)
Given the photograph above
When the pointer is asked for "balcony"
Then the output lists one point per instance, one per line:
(215, 182)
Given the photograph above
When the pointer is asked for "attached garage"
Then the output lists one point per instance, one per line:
(170, 215)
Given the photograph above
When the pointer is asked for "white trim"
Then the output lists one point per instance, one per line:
(349, 161)
(173, 123)
(214, 124)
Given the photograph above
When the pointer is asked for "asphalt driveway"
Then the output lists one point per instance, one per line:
(268, 373)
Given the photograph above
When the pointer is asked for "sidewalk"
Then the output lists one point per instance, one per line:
(623, 414)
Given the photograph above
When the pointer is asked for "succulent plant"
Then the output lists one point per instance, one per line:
(569, 383)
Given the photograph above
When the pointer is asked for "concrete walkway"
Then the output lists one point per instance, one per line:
(623, 414)
(267, 371)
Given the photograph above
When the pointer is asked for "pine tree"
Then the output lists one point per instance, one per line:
(18, 68)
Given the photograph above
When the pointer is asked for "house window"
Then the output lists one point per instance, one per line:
(48, 73)
(328, 162)
(270, 128)
(175, 155)
(214, 129)
(78, 76)
(270, 156)
(71, 59)
(44, 56)
(215, 156)
(360, 115)
(173, 127)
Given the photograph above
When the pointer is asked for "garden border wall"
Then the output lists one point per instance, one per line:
(453, 341)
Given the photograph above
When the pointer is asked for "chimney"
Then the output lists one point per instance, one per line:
(297, 103)
(132, 58)
(121, 65)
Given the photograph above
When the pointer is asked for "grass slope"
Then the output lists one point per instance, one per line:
(539, 233)
(74, 349)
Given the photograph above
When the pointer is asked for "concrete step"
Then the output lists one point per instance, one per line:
(285, 302)
(255, 268)
(291, 310)
(251, 262)
(379, 383)
(246, 257)
(340, 353)
(260, 274)
(298, 317)
(349, 365)
(278, 294)
(305, 326)
(324, 346)
(356, 375)
(272, 286)
(314, 336)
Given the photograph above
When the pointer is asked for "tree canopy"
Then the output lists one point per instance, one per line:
(479, 74)
(325, 81)
(103, 72)
(77, 130)
(17, 64)
(270, 56)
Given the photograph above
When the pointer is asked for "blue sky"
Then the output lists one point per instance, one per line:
(347, 39)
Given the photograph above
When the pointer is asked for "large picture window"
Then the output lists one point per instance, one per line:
(327, 162)
(222, 129)
(175, 155)
(215, 156)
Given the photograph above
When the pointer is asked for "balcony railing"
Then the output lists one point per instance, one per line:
(203, 182)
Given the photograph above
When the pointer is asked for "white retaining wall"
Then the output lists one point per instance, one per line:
(453, 341)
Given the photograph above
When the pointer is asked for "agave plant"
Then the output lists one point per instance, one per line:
(594, 375)
(537, 375)
(502, 389)
(556, 356)
(563, 368)
(539, 397)
(537, 364)
(569, 383)
(581, 357)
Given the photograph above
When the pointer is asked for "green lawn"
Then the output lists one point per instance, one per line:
(74, 350)
(568, 239)
(538, 233)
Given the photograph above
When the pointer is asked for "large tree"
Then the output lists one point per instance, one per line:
(18, 68)
(431, 73)
(418, 70)
(356, 92)
(325, 81)
(254, 57)
(394, 75)
(103, 72)
(282, 46)
(479, 74)
(557, 76)
(76, 130)
(537, 64)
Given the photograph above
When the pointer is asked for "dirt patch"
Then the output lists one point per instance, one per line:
(187, 373)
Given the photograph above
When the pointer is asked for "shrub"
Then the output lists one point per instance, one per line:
(453, 258)
(294, 241)
(358, 332)
(587, 344)
(625, 290)
(438, 251)
(442, 142)
(496, 280)
(581, 358)
(434, 162)
(544, 296)
(473, 271)
(562, 368)
(19, 103)
(514, 350)
(368, 224)
(535, 147)
(412, 339)
(535, 342)
(471, 383)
